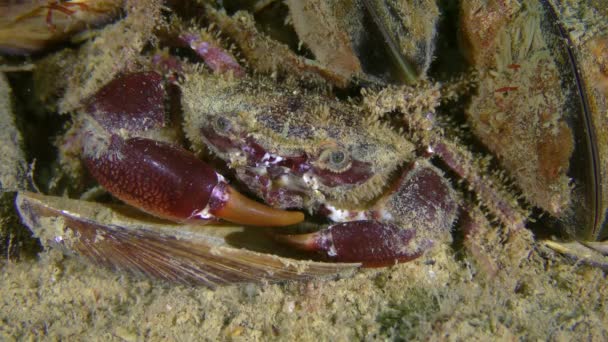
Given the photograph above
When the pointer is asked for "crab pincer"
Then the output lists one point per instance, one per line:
(159, 177)
(401, 226)
(370, 242)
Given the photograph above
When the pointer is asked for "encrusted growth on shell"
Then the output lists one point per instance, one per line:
(519, 74)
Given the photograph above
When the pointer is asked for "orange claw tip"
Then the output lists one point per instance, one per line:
(228, 204)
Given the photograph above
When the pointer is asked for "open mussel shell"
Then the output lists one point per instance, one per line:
(583, 58)
(28, 27)
(124, 239)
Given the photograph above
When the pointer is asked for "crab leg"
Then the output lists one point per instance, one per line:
(487, 189)
(419, 117)
(216, 58)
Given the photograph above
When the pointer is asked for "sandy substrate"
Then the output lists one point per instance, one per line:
(533, 294)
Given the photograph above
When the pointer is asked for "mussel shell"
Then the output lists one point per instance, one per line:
(29, 27)
(122, 238)
(582, 80)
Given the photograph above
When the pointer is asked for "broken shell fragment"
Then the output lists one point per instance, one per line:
(127, 240)
(31, 26)
(591, 253)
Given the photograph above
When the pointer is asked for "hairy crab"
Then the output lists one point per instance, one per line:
(369, 164)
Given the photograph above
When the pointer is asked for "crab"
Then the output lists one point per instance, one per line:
(371, 166)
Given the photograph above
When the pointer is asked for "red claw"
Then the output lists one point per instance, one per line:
(419, 208)
(170, 182)
(134, 102)
(372, 243)
(159, 178)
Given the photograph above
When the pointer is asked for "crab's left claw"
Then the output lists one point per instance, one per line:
(401, 227)
(170, 182)
(372, 243)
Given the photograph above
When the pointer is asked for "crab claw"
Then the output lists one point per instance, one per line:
(170, 182)
(372, 243)
(419, 209)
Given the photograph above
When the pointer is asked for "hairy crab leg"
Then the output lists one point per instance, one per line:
(158, 177)
(254, 47)
(490, 194)
(418, 117)
(215, 57)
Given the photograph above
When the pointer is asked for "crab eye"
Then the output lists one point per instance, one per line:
(335, 159)
(222, 125)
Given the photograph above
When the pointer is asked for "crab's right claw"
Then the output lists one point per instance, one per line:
(170, 182)
(160, 178)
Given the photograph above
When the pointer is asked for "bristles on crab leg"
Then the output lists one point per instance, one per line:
(170, 182)
(502, 203)
(215, 57)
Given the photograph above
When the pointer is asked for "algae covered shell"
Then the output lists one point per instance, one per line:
(584, 26)
(540, 103)
(585, 57)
